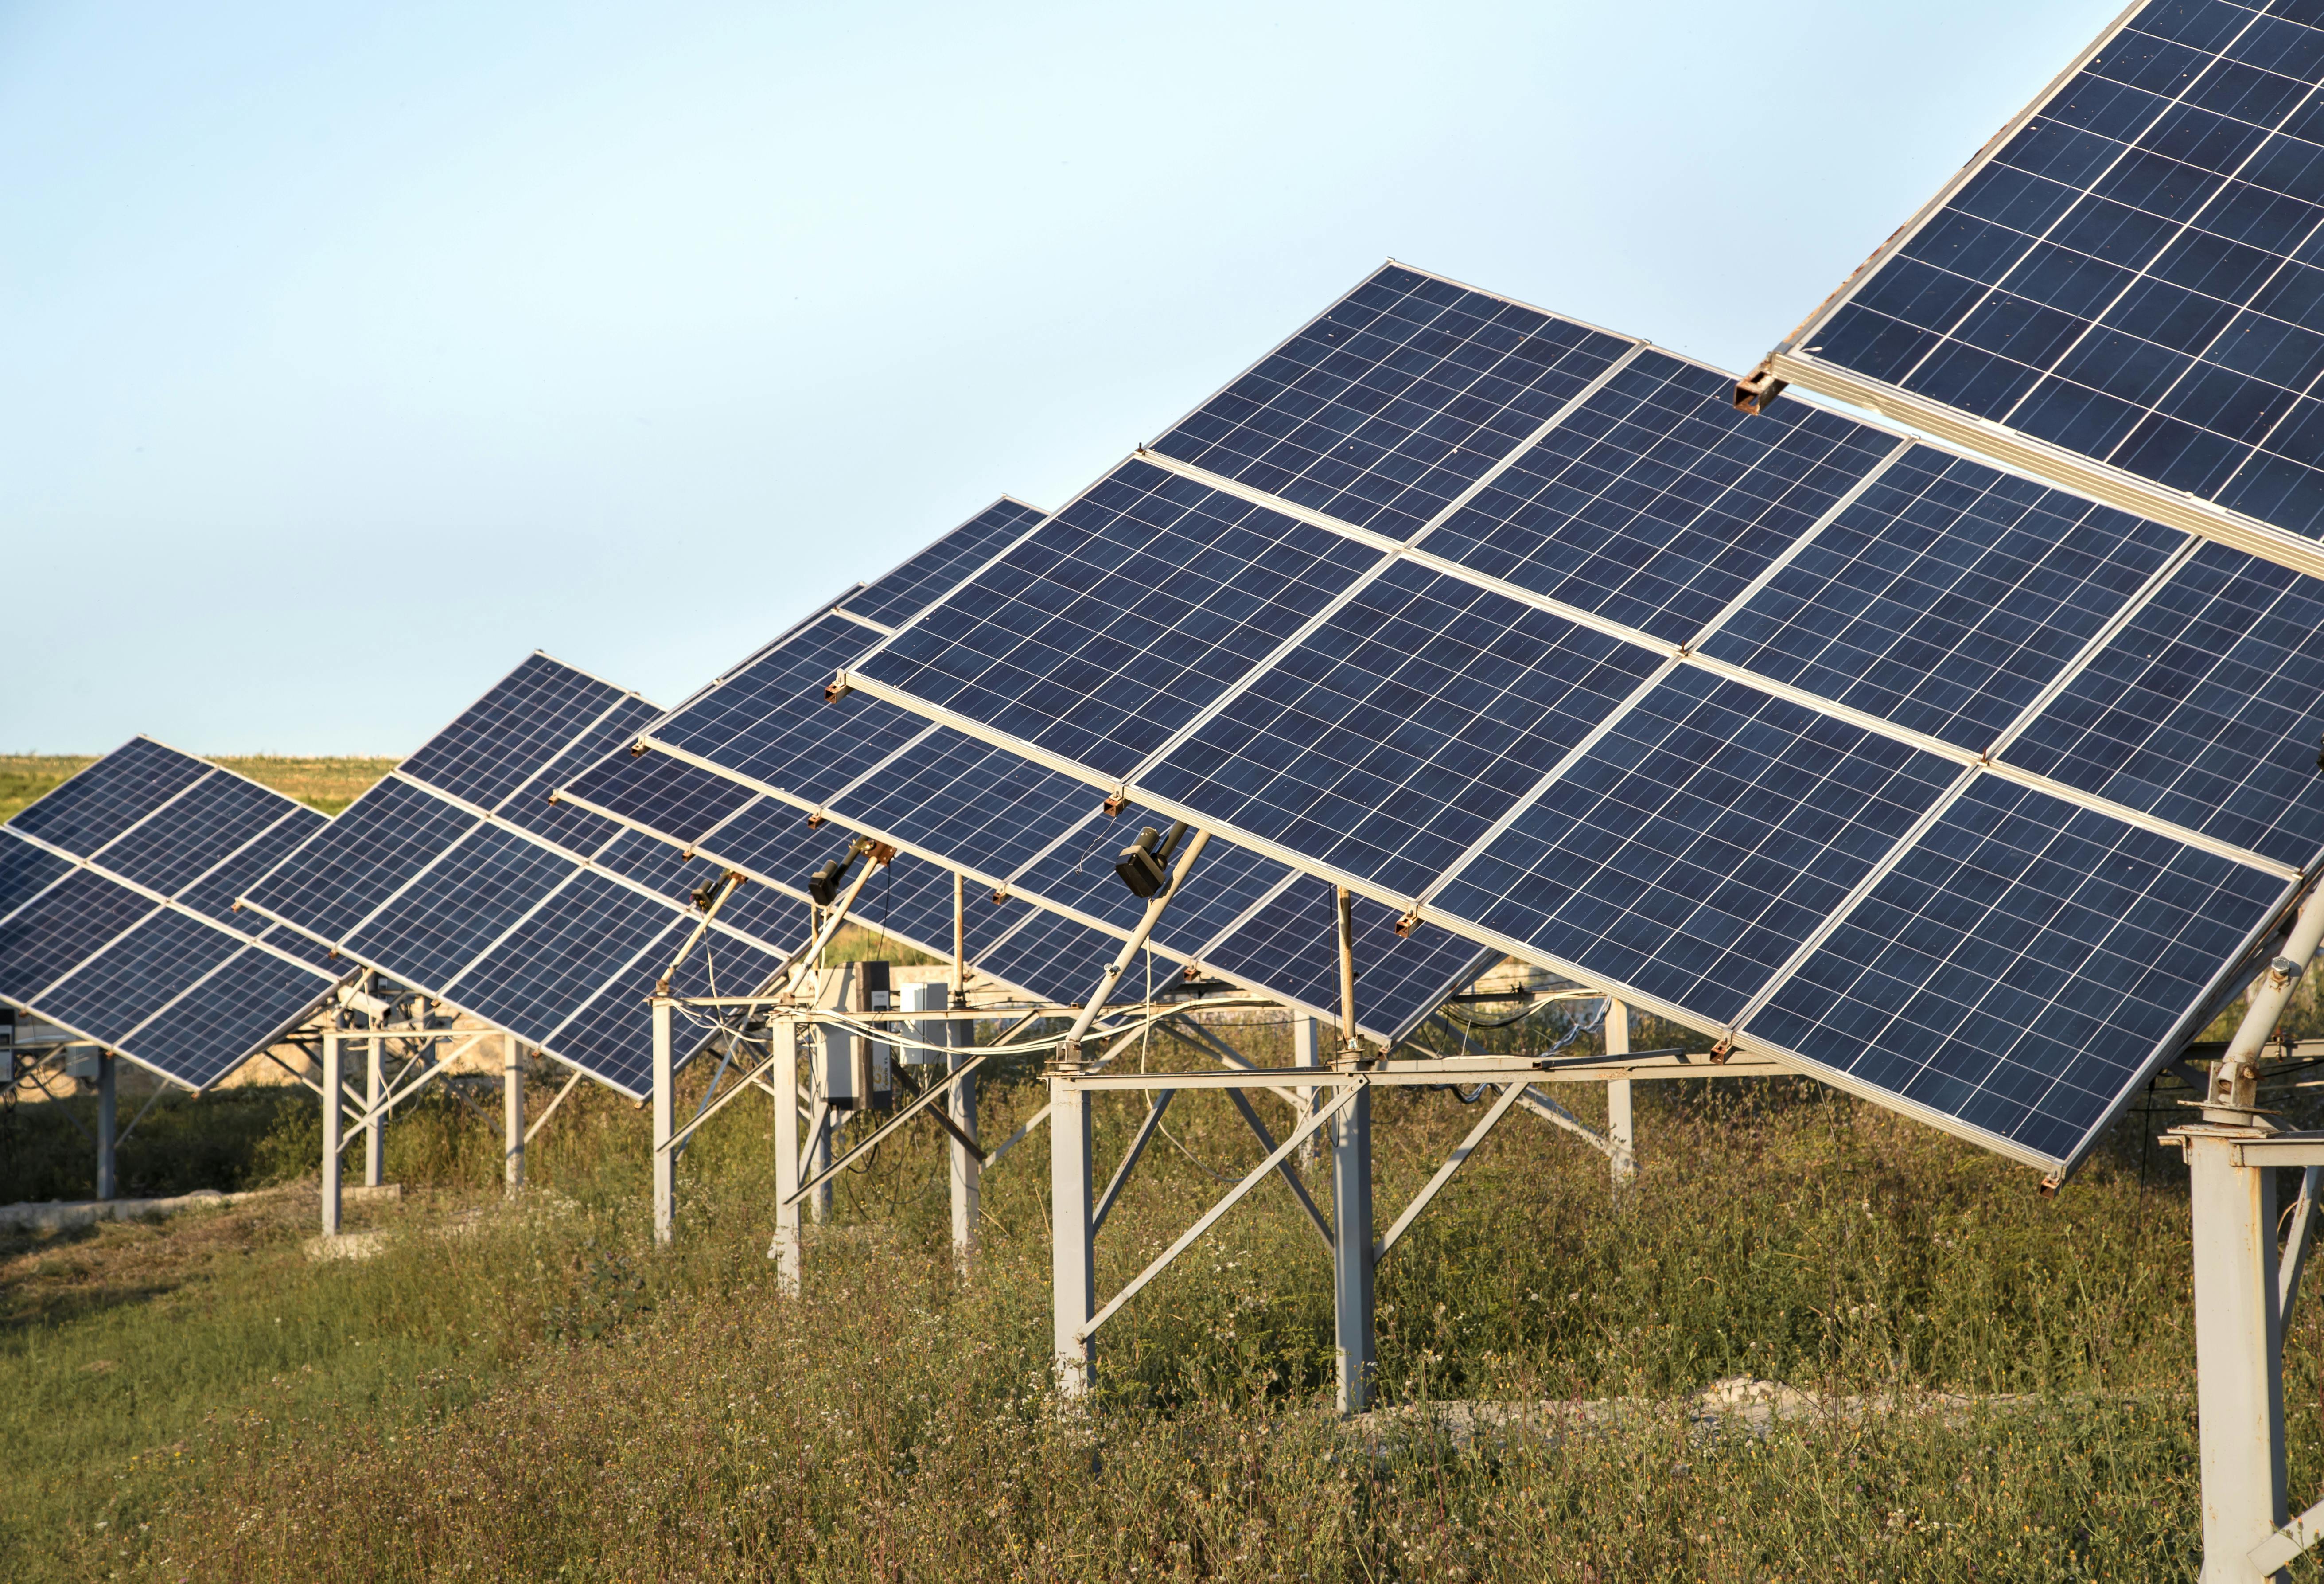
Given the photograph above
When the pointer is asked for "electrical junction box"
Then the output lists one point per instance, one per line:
(834, 1063)
(927, 998)
(876, 1065)
(81, 1062)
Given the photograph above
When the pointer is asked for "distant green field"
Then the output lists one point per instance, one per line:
(328, 784)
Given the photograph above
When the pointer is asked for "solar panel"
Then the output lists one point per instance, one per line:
(740, 766)
(115, 920)
(2121, 290)
(457, 875)
(1698, 707)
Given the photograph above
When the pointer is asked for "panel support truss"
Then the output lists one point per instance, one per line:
(2244, 1287)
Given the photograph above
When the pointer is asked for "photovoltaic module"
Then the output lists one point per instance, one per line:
(116, 920)
(1820, 739)
(735, 772)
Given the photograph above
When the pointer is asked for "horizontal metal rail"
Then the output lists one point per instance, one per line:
(1299, 1136)
(1510, 1094)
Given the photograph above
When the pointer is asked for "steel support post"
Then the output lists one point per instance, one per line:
(107, 1108)
(2238, 1325)
(1619, 1131)
(331, 1132)
(1352, 1251)
(785, 1077)
(511, 1113)
(374, 1138)
(1073, 1273)
(2238, 1380)
(967, 1174)
(1304, 1055)
(833, 1051)
(665, 1161)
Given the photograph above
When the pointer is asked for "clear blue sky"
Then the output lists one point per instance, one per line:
(351, 353)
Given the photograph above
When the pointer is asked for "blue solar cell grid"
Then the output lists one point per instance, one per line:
(508, 920)
(1700, 842)
(2204, 711)
(685, 800)
(214, 895)
(245, 1005)
(1656, 502)
(1293, 941)
(1668, 809)
(135, 976)
(505, 738)
(911, 588)
(467, 899)
(958, 796)
(728, 725)
(338, 878)
(64, 926)
(1133, 607)
(1396, 733)
(2136, 273)
(26, 870)
(92, 948)
(110, 796)
(193, 833)
(1946, 597)
(1401, 395)
(2022, 966)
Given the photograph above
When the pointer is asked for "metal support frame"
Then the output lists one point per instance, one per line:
(1510, 1094)
(107, 1093)
(375, 1122)
(1290, 1175)
(1620, 1130)
(2242, 1291)
(1073, 1263)
(331, 1100)
(1155, 1106)
(1354, 1264)
(512, 1133)
(665, 1163)
(783, 1080)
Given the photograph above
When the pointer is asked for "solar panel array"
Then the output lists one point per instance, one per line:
(458, 877)
(2133, 271)
(116, 921)
(737, 770)
(1852, 749)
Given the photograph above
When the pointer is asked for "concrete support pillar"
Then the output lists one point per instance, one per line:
(107, 1111)
(1620, 1133)
(665, 1161)
(1073, 1272)
(330, 1132)
(1352, 1251)
(2239, 1379)
(375, 1130)
(512, 1114)
(785, 1077)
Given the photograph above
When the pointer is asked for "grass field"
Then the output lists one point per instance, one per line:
(534, 1391)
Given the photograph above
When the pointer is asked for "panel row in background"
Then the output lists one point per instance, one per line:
(457, 875)
(1852, 748)
(736, 774)
(117, 921)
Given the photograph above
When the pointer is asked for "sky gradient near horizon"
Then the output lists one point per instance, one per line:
(353, 353)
